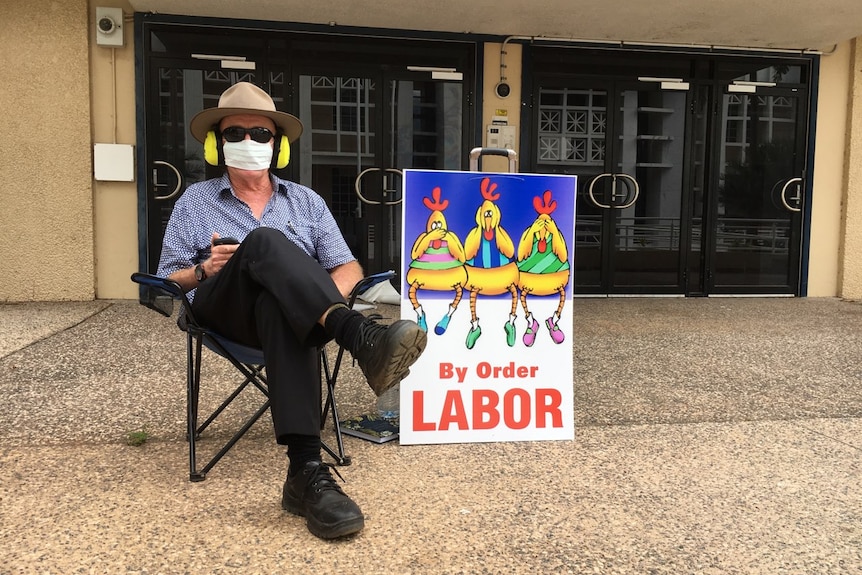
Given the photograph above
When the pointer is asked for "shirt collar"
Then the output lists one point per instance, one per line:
(279, 185)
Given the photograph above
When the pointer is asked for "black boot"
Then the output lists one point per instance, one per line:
(313, 493)
(386, 352)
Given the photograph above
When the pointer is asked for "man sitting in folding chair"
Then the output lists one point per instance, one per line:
(281, 286)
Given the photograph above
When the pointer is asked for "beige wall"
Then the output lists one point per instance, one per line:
(829, 172)
(46, 218)
(851, 248)
(511, 104)
(115, 203)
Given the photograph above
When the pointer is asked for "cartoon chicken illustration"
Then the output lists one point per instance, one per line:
(437, 262)
(544, 265)
(491, 267)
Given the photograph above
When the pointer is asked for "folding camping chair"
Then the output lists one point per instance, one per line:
(248, 361)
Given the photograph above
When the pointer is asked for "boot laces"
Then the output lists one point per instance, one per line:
(369, 332)
(322, 478)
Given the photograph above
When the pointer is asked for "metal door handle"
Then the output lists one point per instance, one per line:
(592, 196)
(797, 199)
(176, 191)
(357, 185)
(636, 190)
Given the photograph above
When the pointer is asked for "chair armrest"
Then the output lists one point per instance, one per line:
(367, 282)
(166, 287)
(170, 287)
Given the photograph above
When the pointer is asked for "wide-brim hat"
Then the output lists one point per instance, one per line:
(244, 98)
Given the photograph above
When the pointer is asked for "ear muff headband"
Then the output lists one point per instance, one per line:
(281, 153)
(212, 149)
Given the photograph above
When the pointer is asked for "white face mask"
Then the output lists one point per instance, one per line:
(247, 155)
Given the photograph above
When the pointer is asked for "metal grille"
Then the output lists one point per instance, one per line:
(572, 125)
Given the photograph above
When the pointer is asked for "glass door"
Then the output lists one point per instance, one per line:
(342, 129)
(756, 244)
(177, 91)
(650, 158)
(573, 130)
(364, 130)
(626, 144)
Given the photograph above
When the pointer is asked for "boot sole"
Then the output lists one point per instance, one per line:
(325, 530)
(405, 344)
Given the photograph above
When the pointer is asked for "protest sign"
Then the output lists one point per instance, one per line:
(487, 272)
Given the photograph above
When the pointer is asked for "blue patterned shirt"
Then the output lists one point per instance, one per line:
(212, 206)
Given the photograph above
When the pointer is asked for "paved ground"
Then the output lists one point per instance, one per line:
(713, 436)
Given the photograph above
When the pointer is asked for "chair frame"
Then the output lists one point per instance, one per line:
(249, 362)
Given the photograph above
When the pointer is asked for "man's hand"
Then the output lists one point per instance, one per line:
(219, 255)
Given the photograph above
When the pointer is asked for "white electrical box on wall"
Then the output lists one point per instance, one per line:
(501, 136)
(109, 26)
(114, 162)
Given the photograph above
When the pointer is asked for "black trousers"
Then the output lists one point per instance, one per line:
(270, 295)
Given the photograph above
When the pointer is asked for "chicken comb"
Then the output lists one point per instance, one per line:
(488, 191)
(545, 205)
(436, 204)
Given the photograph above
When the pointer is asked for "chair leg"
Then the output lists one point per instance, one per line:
(253, 376)
(193, 392)
(340, 457)
(236, 437)
(250, 373)
(329, 377)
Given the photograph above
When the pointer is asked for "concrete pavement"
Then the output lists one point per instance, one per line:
(713, 436)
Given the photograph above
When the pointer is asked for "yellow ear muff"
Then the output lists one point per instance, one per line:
(283, 153)
(211, 148)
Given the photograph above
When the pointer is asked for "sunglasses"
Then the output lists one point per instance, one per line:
(237, 134)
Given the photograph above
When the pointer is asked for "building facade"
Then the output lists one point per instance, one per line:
(711, 160)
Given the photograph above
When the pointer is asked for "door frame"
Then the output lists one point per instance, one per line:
(566, 61)
(799, 221)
